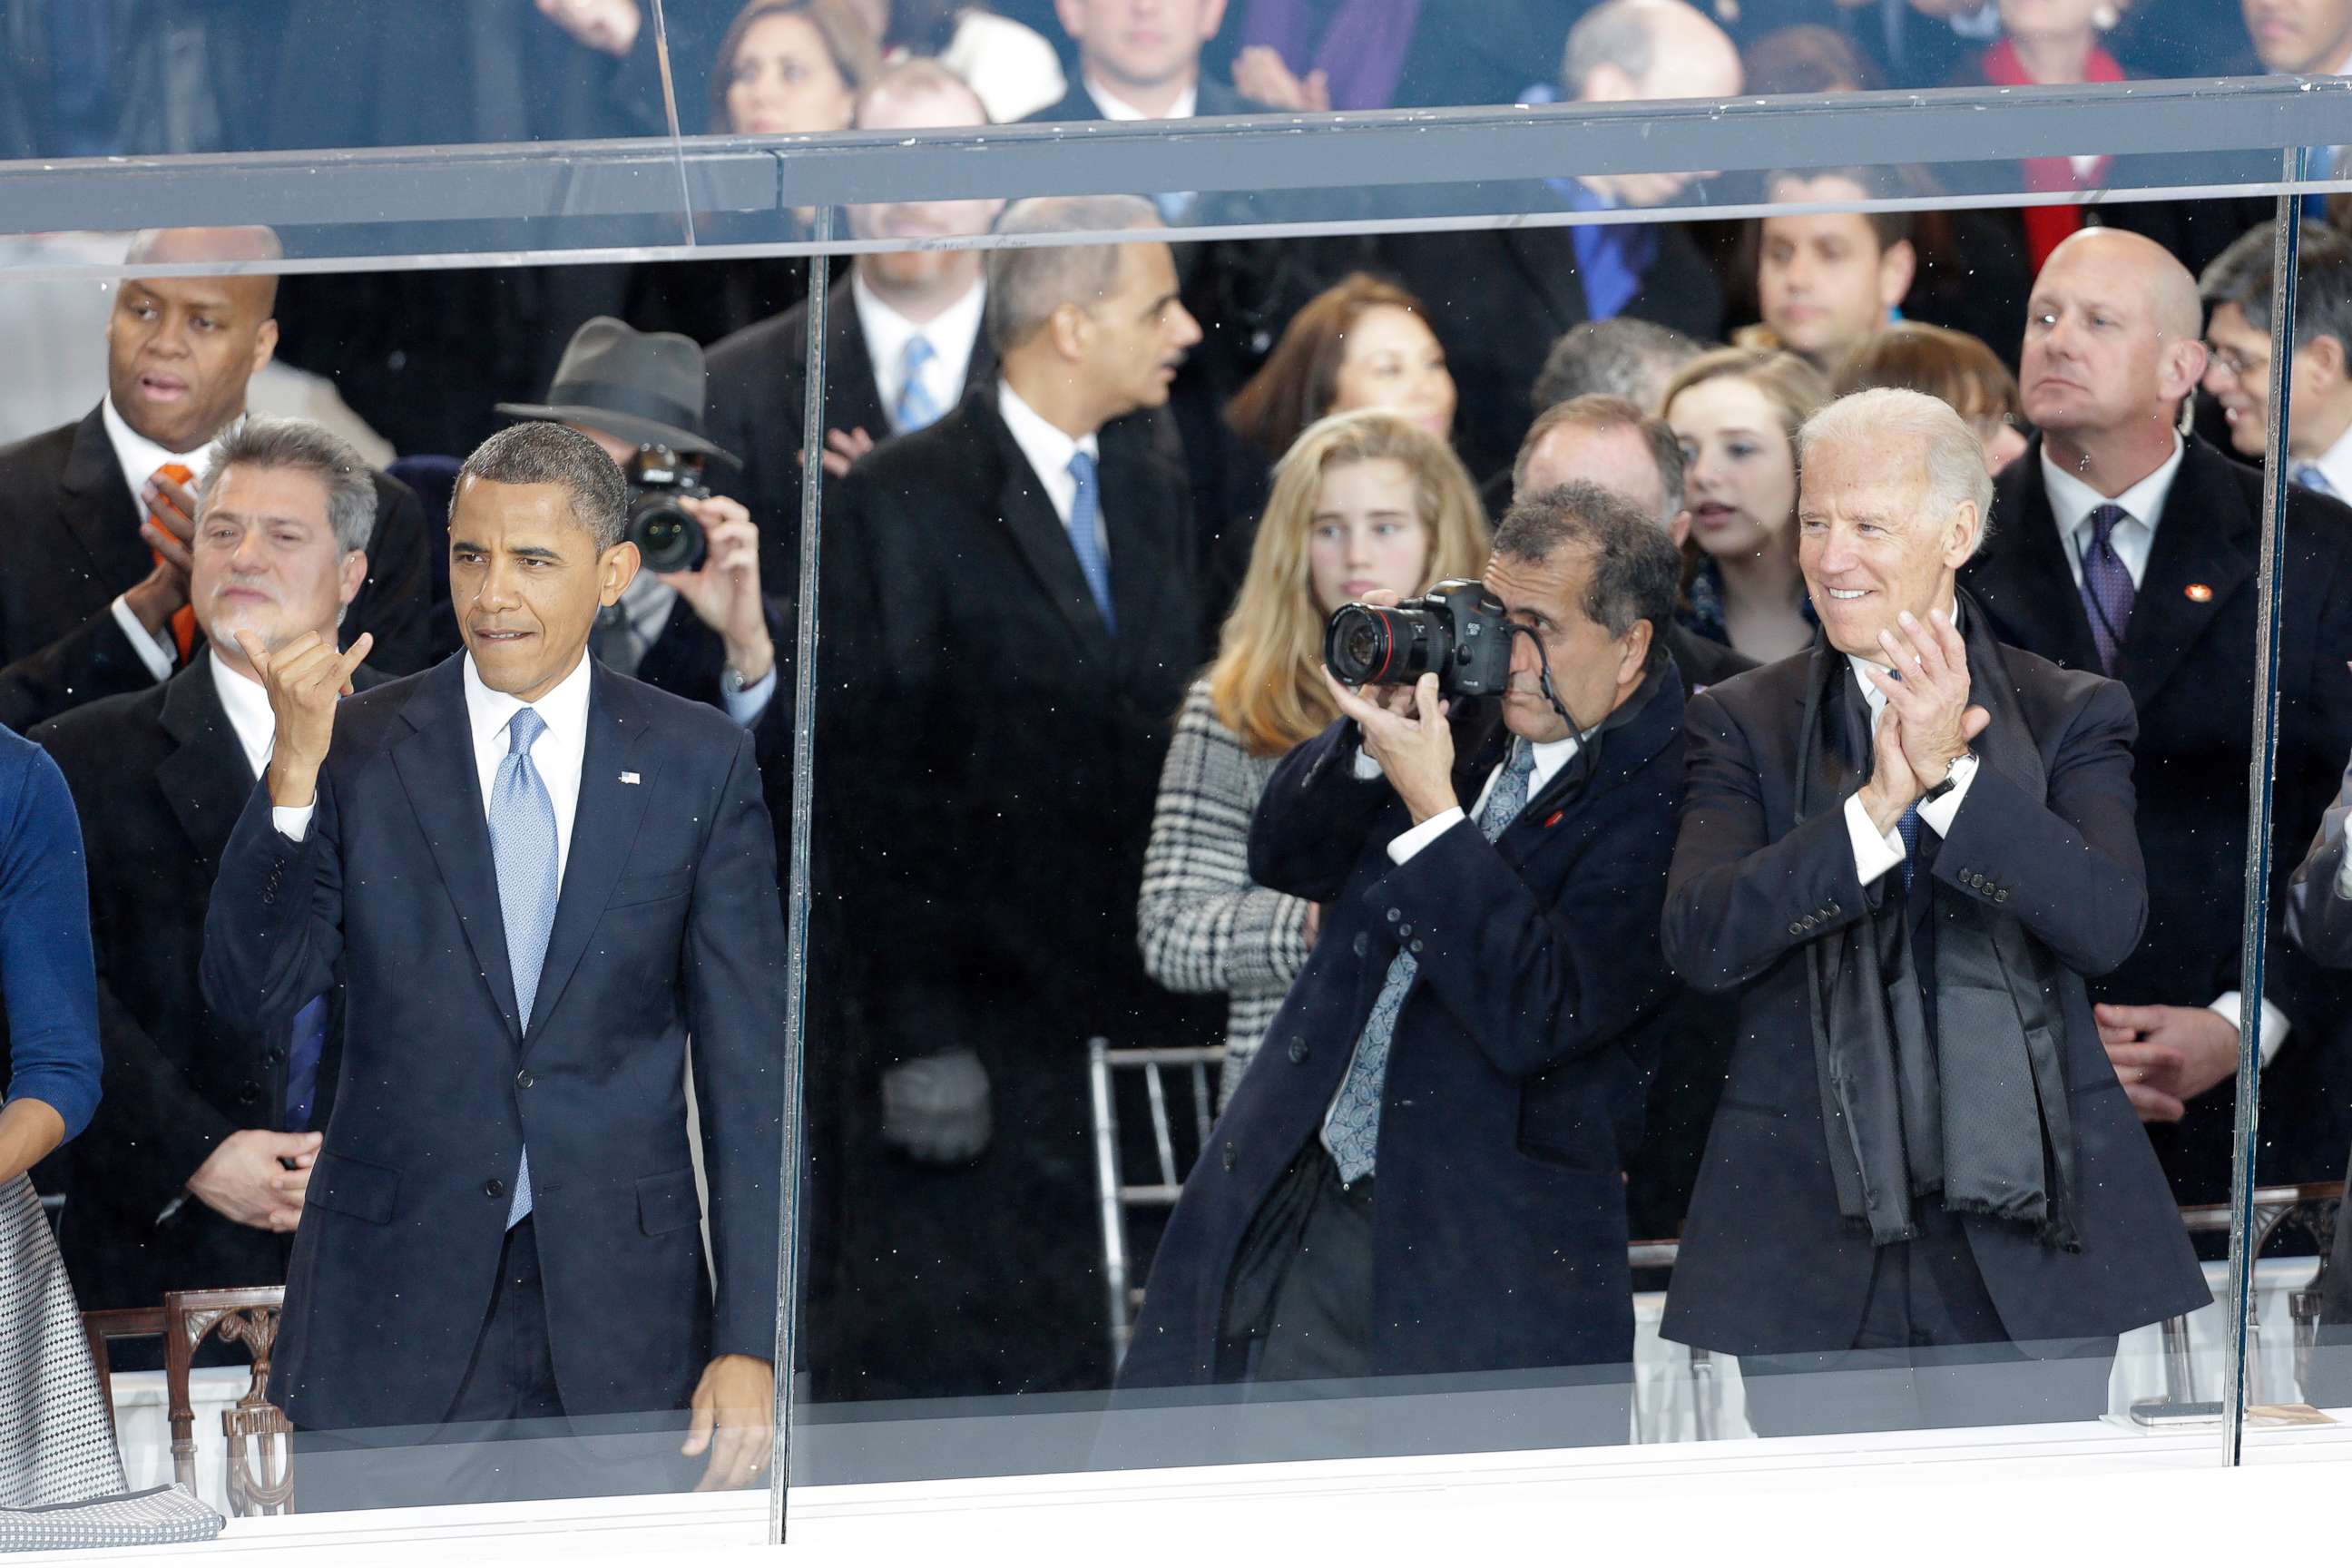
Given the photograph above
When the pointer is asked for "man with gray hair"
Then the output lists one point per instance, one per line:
(1013, 603)
(1623, 356)
(1498, 298)
(1903, 851)
(2237, 290)
(194, 1173)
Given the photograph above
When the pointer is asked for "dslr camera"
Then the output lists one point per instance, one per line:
(1456, 629)
(666, 537)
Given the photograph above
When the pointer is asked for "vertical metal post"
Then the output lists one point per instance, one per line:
(796, 899)
(2284, 252)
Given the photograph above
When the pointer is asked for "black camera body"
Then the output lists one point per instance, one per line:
(666, 537)
(1458, 629)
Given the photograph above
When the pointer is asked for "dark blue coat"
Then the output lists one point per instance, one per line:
(668, 924)
(1514, 1076)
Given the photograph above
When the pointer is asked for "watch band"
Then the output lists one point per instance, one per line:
(1951, 779)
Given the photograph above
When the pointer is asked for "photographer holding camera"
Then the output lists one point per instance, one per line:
(694, 622)
(1423, 1175)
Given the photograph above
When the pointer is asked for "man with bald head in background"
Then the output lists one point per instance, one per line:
(2123, 546)
(94, 596)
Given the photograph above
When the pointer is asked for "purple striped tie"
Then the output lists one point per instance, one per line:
(2107, 591)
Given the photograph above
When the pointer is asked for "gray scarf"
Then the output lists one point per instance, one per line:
(1975, 1109)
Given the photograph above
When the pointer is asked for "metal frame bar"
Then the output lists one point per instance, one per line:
(597, 183)
(2268, 590)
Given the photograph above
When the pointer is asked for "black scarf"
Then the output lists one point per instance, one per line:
(1977, 1111)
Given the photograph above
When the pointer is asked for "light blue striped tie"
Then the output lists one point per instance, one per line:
(1085, 520)
(2313, 478)
(522, 843)
(1353, 1130)
(916, 408)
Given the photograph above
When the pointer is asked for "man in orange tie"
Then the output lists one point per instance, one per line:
(94, 595)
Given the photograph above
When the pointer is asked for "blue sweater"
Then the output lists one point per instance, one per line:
(46, 968)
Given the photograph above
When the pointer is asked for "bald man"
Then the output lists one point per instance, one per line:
(94, 584)
(2122, 546)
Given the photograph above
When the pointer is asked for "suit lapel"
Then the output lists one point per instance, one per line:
(853, 400)
(2198, 545)
(437, 768)
(205, 777)
(1037, 529)
(604, 827)
(2024, 579)
(99, 511)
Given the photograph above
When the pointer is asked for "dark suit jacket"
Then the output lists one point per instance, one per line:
(1498, 1211)
(2188, 663)
(758, 398)
(668, 925)
(1768, 1266)
(1498, 297)
(992, 758)
(159, 778)
(72, 532)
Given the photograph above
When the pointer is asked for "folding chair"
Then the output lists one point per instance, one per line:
(1114, 1194)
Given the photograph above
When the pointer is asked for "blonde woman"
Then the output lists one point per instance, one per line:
(1362, 501)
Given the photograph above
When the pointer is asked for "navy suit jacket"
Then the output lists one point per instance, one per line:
(1767, 1265)
(668, 925)
(1515, 1074)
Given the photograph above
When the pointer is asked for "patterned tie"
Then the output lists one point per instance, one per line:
(1086, 518)
(184, 619)
(1353, 1130)
(310, 1042)
(2313, 478)
(915, 407)
(1908, 828)
(522, 843)
(2107, 590)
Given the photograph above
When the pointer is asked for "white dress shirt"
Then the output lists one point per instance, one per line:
(139, 458)
(2335, 465)
(1550, 756)
(1876, 853)
(558, 754)
(247, 706)
(2071, 503)
(951, 334)
(1049, 449)
(1113, 107)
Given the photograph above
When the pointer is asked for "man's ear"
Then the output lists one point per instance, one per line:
(353, 574)
(2324, 356)
(1634, 652)
(1067, 328)
(1960, 541)
(1899, 264)
(1608, 83)
(619, 567)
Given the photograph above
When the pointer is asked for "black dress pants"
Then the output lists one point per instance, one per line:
(1931, 1352)
(1299, 1306)
(506, 1438)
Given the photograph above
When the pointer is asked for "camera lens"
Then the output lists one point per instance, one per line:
(1358, 645)
(666, 538)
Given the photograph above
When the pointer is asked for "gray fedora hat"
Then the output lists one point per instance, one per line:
(646, 387)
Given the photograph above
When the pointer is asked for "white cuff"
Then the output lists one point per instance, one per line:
(294, 821)
(1875, 854)
(153, 652)
(746, 706)
(1939, 813)
(1413, 840)
(2231, 1005)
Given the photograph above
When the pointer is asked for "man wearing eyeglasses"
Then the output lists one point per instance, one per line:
(2237, 289)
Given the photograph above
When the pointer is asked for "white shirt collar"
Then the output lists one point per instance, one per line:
(2335, 463)
(1114, 107)
(138, 458)
(1550, 757)
(564, 708)
(951, 334)
(246, 706)
(2071, 502)
(1046, 445)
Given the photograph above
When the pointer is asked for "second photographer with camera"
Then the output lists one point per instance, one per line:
(1423, 1175)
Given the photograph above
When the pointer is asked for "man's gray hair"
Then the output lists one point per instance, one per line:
(298, 445)
(1615, 34)
(540, 453)
(1910, 430)
(1623, 356)
(1636, 571)
(2241, 275)
(1027, 283)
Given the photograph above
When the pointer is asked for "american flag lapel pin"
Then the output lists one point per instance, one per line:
(631, 778)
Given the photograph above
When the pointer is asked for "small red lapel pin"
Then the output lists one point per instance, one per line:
(2198, 592)
(1553, 820)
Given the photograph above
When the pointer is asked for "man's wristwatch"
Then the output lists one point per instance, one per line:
(731, 681)
(1951, 780)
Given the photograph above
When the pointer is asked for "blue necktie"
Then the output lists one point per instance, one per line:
(915, 407)
(2107, 588)
(2313, 478)
(1610, 258)
(310, 1042)
(1086, 519)
(1908, 828)
(522, 843)
(1353, 1130)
